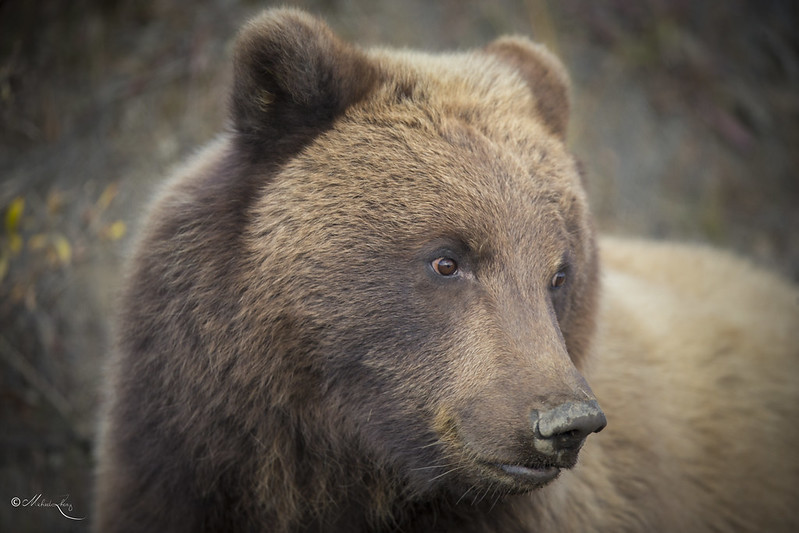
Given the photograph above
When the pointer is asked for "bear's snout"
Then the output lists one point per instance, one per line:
(566, 426)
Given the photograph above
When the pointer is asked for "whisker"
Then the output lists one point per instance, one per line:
(482, 497)
(436, 443)
(447, 472)
(496, 496)
(464, 494)
(429, 467)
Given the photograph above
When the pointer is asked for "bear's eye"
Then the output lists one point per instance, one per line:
(558, 280)
(445, 266)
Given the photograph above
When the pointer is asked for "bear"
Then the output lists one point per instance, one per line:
(377, 302)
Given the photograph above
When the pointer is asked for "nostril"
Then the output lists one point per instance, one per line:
(570, 439)
(570, 423)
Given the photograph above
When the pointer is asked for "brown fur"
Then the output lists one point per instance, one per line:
(287, 359)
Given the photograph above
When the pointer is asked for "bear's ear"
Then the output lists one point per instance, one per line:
(545, 75)
(292, 77)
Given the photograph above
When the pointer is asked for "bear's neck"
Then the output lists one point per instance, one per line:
(437, 515)
(441, 515)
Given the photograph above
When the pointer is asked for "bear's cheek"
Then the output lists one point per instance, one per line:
(404, 366)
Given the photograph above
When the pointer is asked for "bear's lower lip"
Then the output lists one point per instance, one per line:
(530, 475)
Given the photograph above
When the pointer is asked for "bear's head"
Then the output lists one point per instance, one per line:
(383, 276)
(420, 252)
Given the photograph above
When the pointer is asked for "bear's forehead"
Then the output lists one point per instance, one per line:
(414, 180)
(438, 110)
(443, 146)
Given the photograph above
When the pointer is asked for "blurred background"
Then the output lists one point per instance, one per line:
(685, 117)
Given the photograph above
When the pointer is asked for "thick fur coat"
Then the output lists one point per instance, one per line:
(376, 304)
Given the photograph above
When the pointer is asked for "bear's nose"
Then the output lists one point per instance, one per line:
(566, 426)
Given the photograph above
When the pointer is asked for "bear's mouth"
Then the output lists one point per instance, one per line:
(529, 475)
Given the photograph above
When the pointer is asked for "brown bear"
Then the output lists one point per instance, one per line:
(374, 305)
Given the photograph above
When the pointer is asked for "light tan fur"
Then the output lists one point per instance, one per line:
(696, 365)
